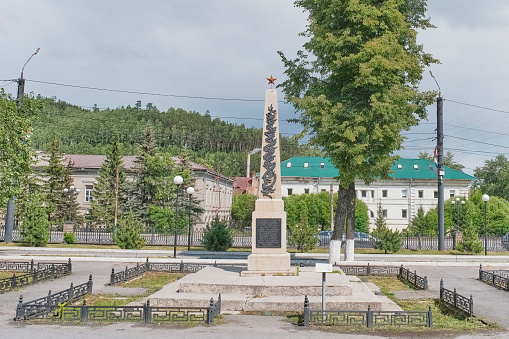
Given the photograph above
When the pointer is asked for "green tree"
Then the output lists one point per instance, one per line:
(302, 235)
(217, 237)
(242, 209)
(35, 229)
(493, 177)
(72, 203)
(385, 239)
(359, 90)
(15, 147)
(361, 216)
(56, 199)
(448, 160)
(108, 196)
(471, 242)
(420, 225)
(128, 233)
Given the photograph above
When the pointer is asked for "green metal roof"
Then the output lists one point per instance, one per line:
(402, 168)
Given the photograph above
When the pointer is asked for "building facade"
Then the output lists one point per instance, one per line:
(413, 184)
(213, 190)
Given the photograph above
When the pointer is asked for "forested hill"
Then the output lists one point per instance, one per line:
(210, 141)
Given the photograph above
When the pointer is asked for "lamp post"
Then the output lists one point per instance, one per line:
(70, 192)
(190, 191)
(485, 198)
(177, 181)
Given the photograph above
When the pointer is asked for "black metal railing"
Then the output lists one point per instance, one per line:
(366, 270)
(412, 278)
(36, 273)
(452, 298)
(497, 278)
(146, 313)
(169, 267)
(42, 307)
(367, 318)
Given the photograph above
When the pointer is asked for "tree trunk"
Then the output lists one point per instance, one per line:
(350, 223)
(339, 225)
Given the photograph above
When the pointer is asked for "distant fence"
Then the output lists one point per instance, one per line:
(367, 318)
(452, 298)
(172, 267)
(496, 278)
(241, 238)
(402, 273)
(46, 306)
(31, 273)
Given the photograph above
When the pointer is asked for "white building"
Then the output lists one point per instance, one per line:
(213, 190)
(414, 184)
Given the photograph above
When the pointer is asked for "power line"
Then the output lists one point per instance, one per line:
(476, 106)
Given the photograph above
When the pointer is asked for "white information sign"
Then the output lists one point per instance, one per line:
(323, 268)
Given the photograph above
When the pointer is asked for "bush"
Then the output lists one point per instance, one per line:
(385, 239)
(127, 235)
(69, 238)
(217, 237)
(470, 243)
(302, 235)
(35, 225)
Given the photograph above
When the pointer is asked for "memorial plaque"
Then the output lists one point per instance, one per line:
(268, 233)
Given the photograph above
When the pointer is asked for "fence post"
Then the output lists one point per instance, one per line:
(506, 284)
(210, 318)
(369, 270)
(89, 285)
(493, 278)
(455, 298)
(52, 271)
(125, 275)
(84, 312)
(369, 317)
(441, 288)
(112, 277)
(69, 266)
(32, 265)
(71, 292)
(148, 312)
(400, 271)
(471, 304)
(34, 276)
(480, 272)
(407, 241)
(137, 269)
(430, 317)
(20, 309)
(425, 283)
(181, 267)
(415, 278)
(14, 282)
(219, 304)
(49, 298)
(147, 265)
(306, 311)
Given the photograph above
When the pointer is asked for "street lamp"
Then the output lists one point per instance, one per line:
(177, 181)
(70, 192)
(485, 198)
(190, 191)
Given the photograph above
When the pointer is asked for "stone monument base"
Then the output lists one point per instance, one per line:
(270, 262)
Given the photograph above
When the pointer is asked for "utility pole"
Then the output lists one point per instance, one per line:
(440, 170)
(9, 218)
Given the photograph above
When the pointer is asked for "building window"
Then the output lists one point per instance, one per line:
(421, 194)
(88, 192)
(384, 213)
(384, 194)
(403, 193)
(435, 194)
(306, 190)
(403, 214)
(452, 193)
(416, 167)
(323, 190)
(306, 165)
(373, 194)
(290, 191)
(399, 166)
(371, 214)
(322, 165)
(364, 194)
(288, 164)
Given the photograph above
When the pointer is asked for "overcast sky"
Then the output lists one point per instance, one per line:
(226, 49)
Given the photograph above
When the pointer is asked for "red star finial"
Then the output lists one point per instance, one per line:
(271, 81)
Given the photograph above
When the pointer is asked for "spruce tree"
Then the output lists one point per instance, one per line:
(385, 239)
(56, 200)
(35, 225)
(471, 242)
(72, 203)
(108, 190)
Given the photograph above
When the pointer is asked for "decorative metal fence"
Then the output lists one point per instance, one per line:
(146, 313)
(456, 300)
(42, 307)
(497, 278)
(43, 271)
(413, 278)
(367, 318)
(172, 267)
(370, 270)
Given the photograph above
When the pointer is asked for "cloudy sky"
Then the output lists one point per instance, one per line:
(226, 48)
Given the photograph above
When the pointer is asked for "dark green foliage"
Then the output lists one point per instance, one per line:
(217, 236)
(447, 161)
(242, 209)
(69, 238)
(56, 199)
(361, 216)
(210, 141)
(493, 177)
(128, 232)
(423, 223)
(385, 239)
(302, 235)
(471, 242)
(35, 229)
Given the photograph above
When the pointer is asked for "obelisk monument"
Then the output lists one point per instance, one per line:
(269, 254)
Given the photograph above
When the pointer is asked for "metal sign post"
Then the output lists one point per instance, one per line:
(324, 269)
